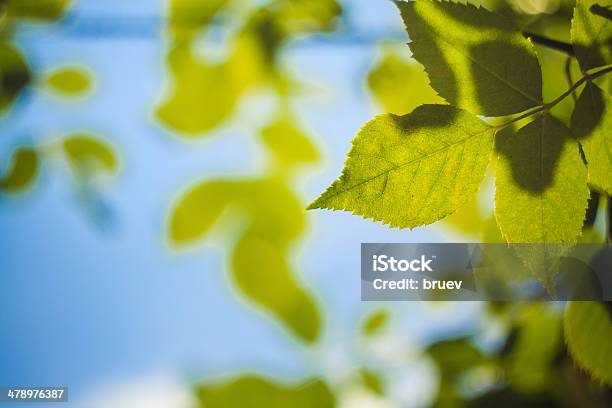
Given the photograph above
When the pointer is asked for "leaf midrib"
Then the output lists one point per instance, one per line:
(401, 165)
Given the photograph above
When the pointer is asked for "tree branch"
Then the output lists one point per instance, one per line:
(550, 43)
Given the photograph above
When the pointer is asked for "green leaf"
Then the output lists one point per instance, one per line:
(197, 211)
(262, 273)
(300, 16)
(188, 17)
(372, 381)
(400, 86)
(592, 125)
(592, 33)
(14, 74)
(21, 172)
(89, 154)
(70, 81)
(413, 170)
(375, 322)
(289, 145)
(256, 392)
(273, 220)
(541, 192)
(454, 356)
(476, 59)
(468, 220)
(204, 95)
(37, 9)
(588, 330)
(539, 340)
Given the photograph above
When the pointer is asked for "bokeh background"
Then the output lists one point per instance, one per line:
(123, 110)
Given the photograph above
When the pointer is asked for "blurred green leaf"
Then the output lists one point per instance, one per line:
(376, 322)
(260, 262)
(468, 219)
(21, 172)
(592, 33)
(14, 74)
(188, 17)
(37, 9)
(256, 392)
(588, 330)
(289, 145)
(198, 210)
(70, 81)
(300, 16)
(372, 381)
(467, 52)
(261, 271)
(539, 341)
(400, 86)
(203, 95)
(413, 170)
(592, 125)
(86, 153)
(454, 356)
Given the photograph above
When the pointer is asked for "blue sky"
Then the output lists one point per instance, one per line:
(84, 304)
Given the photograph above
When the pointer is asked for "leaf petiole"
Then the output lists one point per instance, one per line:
(600, 71)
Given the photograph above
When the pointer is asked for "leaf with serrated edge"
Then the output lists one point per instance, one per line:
(413, 170)
(588, 330)
(592, 125)
(476, 60)
(540, 189)
(592, 33)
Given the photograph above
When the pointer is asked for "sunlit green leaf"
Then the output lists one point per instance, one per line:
(70, 81)
(187, 17)
(554, 79)
(454, 356)
(400, 86)
(538, 343)
(21, 172)
(375, 322)
(260, 262)
(588, 330)
(14, 74)
(413, 170)
(372, 381)
(198, 210)
(541, 193)
(308, 16)
(592, 33)
(257, 392)
(37, 9)
(468, 220)
(203, 95)
(262, 273)
(476, 59)
(90, 154)
(289, 145)
(592, 125)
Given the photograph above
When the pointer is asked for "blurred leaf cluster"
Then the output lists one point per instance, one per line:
(205, 92)
(86, 155)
